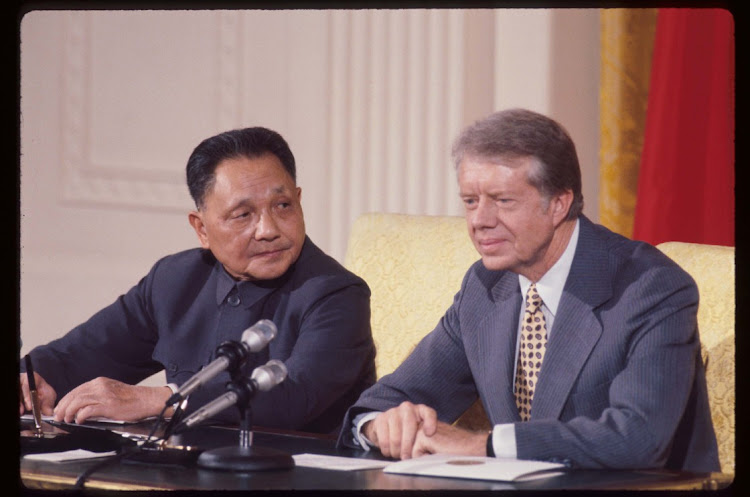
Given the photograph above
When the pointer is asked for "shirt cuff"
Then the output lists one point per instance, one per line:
(504, 440)
(357, 424)
(182, 404)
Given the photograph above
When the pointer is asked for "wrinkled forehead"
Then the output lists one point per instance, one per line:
(512, 161)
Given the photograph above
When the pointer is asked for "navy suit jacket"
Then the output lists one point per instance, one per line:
(176, 317)
(622, 383)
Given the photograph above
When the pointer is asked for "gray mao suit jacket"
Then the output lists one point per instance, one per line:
(622, 384)
(178, 315)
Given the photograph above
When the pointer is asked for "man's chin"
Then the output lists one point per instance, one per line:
(264, 275)
(495, 263)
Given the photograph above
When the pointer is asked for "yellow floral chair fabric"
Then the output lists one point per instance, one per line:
(712, 268)
(414, 266)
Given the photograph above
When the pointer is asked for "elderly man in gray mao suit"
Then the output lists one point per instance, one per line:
(581, 344)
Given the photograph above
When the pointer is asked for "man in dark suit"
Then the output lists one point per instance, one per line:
(256, 262)
(581, 344)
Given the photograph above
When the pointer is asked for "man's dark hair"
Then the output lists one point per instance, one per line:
(248, 142)
(517, 133)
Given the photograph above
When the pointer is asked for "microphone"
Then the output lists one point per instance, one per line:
(230, 355)
(263, 378)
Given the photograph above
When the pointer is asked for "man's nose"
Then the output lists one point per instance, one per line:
(485, 215)
(267, 228)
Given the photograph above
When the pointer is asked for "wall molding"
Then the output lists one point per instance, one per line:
(132, 184)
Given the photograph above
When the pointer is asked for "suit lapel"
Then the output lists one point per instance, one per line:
(574, 334)
(576, 328)
(497, 345)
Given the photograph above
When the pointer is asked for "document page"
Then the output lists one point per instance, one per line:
(475, 467)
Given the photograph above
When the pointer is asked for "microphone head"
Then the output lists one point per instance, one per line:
(269, 375)
(258, 335)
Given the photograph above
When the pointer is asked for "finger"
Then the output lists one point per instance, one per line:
(89, 411)
(370, 434)
(74, 400)
(67, 407)
(381, 434)
(79, 410)
(421, 446)
(410, 427)
(47, 395)
(394, 434)
(428, 417)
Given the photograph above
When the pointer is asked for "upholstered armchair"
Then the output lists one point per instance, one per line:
(414, 266)
(712, 268)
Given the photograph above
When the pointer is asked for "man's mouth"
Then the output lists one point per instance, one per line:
(269, 253)
(491, 243)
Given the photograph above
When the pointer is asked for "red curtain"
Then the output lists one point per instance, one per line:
(686, 178)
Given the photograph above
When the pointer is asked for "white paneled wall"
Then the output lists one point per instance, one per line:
(395, 105)
(112, 104)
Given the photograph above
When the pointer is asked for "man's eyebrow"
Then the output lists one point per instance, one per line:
(276, 190)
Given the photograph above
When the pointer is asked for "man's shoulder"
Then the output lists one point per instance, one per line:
(625, 250)
(315, 267)
(186, 262)
(627, 259)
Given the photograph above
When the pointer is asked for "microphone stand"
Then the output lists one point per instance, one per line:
(245, 456)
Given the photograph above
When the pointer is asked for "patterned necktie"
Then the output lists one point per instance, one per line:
(531, 352)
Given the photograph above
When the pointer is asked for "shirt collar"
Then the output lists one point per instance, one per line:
(551, 284)
(249, 292)
(224, 283)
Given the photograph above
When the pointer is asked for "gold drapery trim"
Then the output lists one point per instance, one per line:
(627, 40)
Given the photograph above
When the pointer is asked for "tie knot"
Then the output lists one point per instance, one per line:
(533, 300)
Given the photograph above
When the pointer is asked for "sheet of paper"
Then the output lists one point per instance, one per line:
(337, 463)
(68, 455)
(474, 467)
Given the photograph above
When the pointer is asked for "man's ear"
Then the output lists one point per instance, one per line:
(560, 206)
(195, 218)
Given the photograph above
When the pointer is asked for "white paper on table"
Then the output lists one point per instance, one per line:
(68, 455)
(337, 463)
(476, 467)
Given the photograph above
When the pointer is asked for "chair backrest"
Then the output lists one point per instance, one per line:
(414, 266)
(712, 268)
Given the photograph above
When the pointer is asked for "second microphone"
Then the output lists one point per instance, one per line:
(229, 356)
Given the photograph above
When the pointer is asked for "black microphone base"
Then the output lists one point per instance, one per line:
(238, 458)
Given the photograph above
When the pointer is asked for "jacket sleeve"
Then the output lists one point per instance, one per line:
(117, 342)
(331, 362)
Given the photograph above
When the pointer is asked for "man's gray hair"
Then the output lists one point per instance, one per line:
(517, 133)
